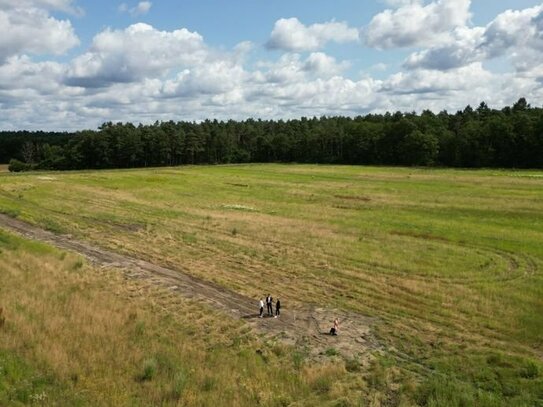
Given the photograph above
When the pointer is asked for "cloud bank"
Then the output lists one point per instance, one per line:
(141, 73)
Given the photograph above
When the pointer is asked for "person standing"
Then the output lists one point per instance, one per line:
(261, 308)
(269, 302)
(277, 308)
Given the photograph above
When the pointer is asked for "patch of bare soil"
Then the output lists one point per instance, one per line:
(353, 198)
(307, 327)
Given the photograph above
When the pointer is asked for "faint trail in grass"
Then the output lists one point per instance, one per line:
(299, 326)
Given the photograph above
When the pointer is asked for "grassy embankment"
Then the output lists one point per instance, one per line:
(449, 261)
(73, 335)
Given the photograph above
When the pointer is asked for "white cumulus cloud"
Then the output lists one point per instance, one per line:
(515, 34)
(213, 78)
(414, 23)
(32, 30)
(324, 65)
(290, 34)
(135, 53)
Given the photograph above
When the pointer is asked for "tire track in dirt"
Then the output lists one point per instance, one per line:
(307, 327)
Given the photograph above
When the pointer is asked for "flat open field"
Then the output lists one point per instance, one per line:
(448, 264)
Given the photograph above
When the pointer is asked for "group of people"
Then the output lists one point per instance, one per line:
(269, 306)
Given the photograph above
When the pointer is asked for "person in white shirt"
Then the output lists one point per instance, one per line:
(261, 308)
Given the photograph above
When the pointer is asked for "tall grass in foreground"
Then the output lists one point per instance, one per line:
(74, 335)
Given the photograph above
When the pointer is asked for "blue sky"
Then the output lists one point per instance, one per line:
(73, 64)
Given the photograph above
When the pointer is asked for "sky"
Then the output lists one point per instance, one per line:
(74, 64)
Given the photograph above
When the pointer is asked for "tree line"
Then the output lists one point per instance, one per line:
(511, 137)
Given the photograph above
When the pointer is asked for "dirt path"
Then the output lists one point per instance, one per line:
(305, 327)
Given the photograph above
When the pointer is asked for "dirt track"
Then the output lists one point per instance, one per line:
(308, 327)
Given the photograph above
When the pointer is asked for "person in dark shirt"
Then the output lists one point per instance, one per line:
(269, 302)
(277, 308)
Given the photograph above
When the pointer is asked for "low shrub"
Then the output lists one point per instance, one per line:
(18, 166)
(529, 371)
(179, 383)
(11, 212)
(352, 365)
(149, 370)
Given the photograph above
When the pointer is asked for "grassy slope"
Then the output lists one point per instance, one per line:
(80, 336)
(450, 261)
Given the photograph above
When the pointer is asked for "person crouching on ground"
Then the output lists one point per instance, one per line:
(335, 329)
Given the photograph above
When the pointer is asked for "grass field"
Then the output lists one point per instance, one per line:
(448, 261)
(79, 336)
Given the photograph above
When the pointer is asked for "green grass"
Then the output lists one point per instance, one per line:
(449, 261)
(74, 336)
(20, 384)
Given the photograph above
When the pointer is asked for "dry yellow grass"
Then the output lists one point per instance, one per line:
(105, 340)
